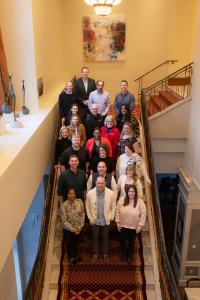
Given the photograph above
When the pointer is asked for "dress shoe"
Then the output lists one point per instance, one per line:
(79, 259)
(94, 258)
(106, 259)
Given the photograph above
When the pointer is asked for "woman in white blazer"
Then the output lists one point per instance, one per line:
(131, 178)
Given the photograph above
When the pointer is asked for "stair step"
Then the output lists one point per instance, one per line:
(152, 108)
(160, 102)
(150, 294)
(53, 294)
(170, 96)
(55, 272)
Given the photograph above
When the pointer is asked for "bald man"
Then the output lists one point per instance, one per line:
(66, 99)
(93, 120)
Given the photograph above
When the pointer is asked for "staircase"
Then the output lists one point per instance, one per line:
(168, 91)
(161, 101)
(55, 263)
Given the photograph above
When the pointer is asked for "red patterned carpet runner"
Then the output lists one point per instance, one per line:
(114, 281)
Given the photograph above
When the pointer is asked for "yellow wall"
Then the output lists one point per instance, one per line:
(157, 30)
(17, 32)
(49, 44)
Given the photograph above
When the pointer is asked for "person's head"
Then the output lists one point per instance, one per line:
(69, 87)
(100, 85)
(132, 172)
(125, 110)
(127, 129)
(76, 141)
(94, 109)
(102, 168)
(103, 150)
(73, 162)
(131, 194)
(110, 121)
(75, 120)
(97, 133)
(85, 72)
(71, 194)
(74, 109)
(100, 184)
(129, 149)
(63, 134)
(124, 86)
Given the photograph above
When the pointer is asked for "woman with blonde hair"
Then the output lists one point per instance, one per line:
(110, 131)
(76, 127)
(127, 136)
(130, 179)
(62, 143)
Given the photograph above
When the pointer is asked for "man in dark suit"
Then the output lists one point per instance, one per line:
(83, 86)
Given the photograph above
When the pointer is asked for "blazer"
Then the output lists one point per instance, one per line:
(79, 89)
(109, 205)
(90, 144)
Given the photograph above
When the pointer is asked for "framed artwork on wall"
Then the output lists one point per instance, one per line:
(104, 38)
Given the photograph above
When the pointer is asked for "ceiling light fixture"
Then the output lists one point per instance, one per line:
(103, 7)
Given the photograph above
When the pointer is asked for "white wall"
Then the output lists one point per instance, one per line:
(171, 123)
(8, 287)
(26, 160)
(192, 157)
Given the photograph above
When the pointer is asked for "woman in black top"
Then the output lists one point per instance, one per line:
(125, 116)
(103, 156)
(62, 143)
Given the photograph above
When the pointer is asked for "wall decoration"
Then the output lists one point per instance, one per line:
(40, 86)
(104, 38)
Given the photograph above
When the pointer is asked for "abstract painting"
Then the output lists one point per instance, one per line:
(104, 38)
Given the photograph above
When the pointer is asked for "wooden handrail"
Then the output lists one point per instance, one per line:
(183, 69)
(160, 65)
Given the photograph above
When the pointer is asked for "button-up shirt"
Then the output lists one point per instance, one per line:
(101, 100)
(100, 209)
(121, 99)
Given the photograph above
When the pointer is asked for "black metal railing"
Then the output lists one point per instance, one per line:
(35, 285)
(168, 285)
(177, 84)
(141, 78)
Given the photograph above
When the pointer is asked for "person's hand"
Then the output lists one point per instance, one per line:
(148, 181)
(138, 229)
(77, 231)
(85, 102)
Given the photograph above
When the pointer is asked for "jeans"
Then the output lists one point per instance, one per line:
(96, 232)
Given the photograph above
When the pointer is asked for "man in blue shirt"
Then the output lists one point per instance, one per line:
(100, 98)
(124, 97)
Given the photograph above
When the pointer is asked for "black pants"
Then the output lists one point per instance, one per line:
(96, 231)
(127, 239)
(71, 242)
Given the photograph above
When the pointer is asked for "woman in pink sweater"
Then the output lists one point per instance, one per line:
(130, 218)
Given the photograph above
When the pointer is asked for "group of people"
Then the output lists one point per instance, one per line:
(101, 169)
